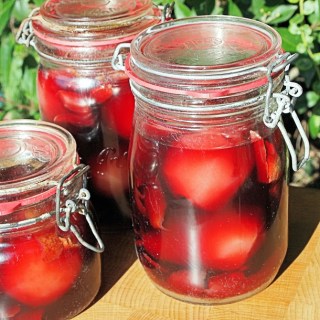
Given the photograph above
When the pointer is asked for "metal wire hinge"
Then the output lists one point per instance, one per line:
(167, 11)
(79, 204)
(119, 56)
(25, 33)
(285, 102)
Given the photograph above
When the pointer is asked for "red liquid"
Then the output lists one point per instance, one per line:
(210, 212)
(46, 273)
(99, 115)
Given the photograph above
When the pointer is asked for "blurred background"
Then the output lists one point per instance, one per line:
(297, 21)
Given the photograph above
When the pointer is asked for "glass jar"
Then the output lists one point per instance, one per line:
(78, 89)
(49, 247)
(208, 158)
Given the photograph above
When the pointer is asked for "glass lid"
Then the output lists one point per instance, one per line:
(83, 11)
(75, 21)
(33, 152)
(210, 45)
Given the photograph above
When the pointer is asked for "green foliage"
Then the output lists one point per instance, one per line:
(18, 64)
(297, 21)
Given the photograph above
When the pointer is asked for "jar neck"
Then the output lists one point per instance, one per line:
(27, 205)
(87, 56)
(92, 43)
(86, 72)
(186, 110)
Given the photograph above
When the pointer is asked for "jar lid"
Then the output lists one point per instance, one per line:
(96, 21)
(79, 12)
(217, 54)
(34, 155)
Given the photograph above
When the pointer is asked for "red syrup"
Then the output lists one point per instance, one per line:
(209, 219)
(99, 116)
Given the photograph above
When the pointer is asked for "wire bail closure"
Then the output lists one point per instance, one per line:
(25, 34)
(79, 204)
(166, 11)
(119, 56)
(285, 102)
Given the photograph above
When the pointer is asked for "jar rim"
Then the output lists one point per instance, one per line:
(178, 56)
(34, 155)
(75, 12)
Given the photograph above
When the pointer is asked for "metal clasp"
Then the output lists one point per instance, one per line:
(166, 11)
(25, 33)
(79, 204)
(285, 102)
(119, 55)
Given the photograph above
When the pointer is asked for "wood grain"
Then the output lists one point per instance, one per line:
(127, 293)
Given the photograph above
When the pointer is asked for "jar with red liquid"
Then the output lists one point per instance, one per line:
(78, 88)
(50, 266)
(208, 155)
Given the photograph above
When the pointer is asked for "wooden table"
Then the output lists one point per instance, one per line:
(127, 293)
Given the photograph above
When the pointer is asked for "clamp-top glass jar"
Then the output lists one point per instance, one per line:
(49, 246)
(79, 90)
(208, 161)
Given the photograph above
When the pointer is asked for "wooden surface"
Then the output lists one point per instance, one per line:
(127, 293)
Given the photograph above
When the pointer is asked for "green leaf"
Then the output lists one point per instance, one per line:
(281, 13)
(304, 63)
(202, 7)
(21, 9)
(233, 9)
(301, 48)
(6, 49)
(308, 76)
(38, 3)
(157, 2)
(293, 1)
(12, 114)
(217, 9)
(28, 85)
(316, 86)
(294, 29)
(301, 105)
(308, 7)
(5, 13)
(297, 19)
(314, 126)
(289, 40)
(306, 29)
(181, 10)
(307, 34)
(12, 91)
(312, 98)
(316, 109)
(313, 18)
(316, 58)
(257, 8)
(317, 11)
